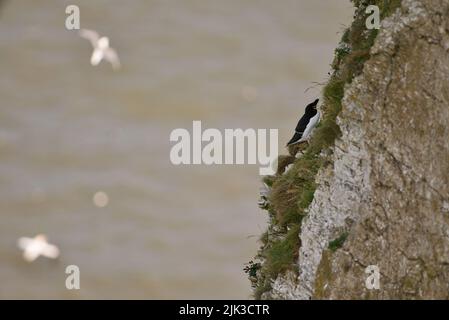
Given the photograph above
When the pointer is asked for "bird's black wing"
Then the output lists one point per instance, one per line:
(296, 137)
(302, 123)
(299, 130)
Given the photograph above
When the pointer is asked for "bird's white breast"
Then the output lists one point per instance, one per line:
(310, 126)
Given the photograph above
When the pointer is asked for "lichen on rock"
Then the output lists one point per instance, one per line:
(400, 103)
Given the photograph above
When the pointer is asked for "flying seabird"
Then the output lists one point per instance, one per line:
(102, 50)
(306, 124)
(37, 246)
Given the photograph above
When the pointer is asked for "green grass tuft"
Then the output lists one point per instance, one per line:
(338, 243)
(283, 252)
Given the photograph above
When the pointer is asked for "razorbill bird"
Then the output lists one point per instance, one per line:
(306, 124)
(102, 50)
(37, 246)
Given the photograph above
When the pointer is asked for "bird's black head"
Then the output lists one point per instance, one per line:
(311, 107)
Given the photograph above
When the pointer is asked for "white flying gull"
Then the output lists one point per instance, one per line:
(37, 246)
(306, 124)
(102, 50)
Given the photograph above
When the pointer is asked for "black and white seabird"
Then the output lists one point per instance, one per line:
(306, 124)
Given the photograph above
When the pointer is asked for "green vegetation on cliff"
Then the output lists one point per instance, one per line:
(292, 191)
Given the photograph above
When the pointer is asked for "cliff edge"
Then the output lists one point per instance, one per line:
(379, 186)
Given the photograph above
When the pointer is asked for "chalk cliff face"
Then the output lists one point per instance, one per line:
(385, 195)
